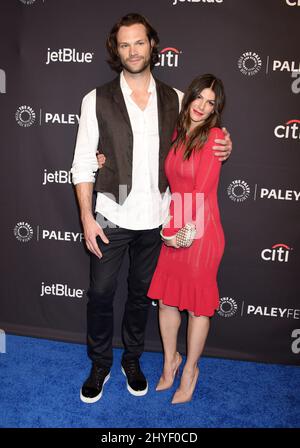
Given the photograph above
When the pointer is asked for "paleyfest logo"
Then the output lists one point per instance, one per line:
(290, 130)
(249, 63)
(168, 57)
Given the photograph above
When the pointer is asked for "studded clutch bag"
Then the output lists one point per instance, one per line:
(186, 235)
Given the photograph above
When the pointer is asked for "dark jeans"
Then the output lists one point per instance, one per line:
(144, 247)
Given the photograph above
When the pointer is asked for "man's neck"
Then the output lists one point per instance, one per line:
(138, 82)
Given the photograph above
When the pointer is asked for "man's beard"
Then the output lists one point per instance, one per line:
(129, 69)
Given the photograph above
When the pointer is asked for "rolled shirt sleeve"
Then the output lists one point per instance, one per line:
(85, 162)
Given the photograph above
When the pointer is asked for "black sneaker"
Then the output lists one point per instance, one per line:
(92, 388)
(136, 382)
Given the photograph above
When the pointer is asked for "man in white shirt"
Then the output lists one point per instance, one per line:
(132, 120)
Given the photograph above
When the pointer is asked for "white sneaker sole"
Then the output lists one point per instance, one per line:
(97, 398)
(136, 393)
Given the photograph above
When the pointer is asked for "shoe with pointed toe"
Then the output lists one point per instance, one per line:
(183, 395)
(164, 384)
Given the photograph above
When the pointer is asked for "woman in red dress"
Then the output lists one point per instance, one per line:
(185, 277)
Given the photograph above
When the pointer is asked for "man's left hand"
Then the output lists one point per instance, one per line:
(224, 147)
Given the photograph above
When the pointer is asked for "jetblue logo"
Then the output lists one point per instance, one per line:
(57, 177)
(68, 55)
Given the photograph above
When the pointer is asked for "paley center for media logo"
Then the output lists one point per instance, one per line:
(289, 131)
(238, 190)
(24, 232)
(250, 63)
(26, 117)
(168, 57)
(277, 253)
(228, 307)
(68, 55)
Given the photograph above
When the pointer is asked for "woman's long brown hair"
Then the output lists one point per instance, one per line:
(199, 135)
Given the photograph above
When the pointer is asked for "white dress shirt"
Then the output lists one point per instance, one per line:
(145, 207)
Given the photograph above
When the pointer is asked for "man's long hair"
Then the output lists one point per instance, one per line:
(112, 44)
(199, 135)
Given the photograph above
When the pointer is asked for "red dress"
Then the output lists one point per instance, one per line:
(186, 277)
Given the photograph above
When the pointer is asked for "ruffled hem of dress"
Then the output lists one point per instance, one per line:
(185, 295)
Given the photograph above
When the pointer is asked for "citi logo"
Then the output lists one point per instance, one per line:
(292, 3)
(2, 81)
(278, 252)
(168, 57)
(286, 66)
(290, 130)
(176, 2)
(57, 177)
(68, 55)
(61, 291)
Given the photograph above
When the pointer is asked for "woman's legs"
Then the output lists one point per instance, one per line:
(198, 328)
(169, 323)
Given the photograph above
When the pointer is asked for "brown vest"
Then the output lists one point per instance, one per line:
(116, 137)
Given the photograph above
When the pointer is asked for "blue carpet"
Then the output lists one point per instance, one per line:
(40, 382)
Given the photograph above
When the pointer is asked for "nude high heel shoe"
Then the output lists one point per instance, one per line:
(166, 384)
(183, 396)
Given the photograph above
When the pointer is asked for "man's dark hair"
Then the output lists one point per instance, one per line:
(112, 45)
